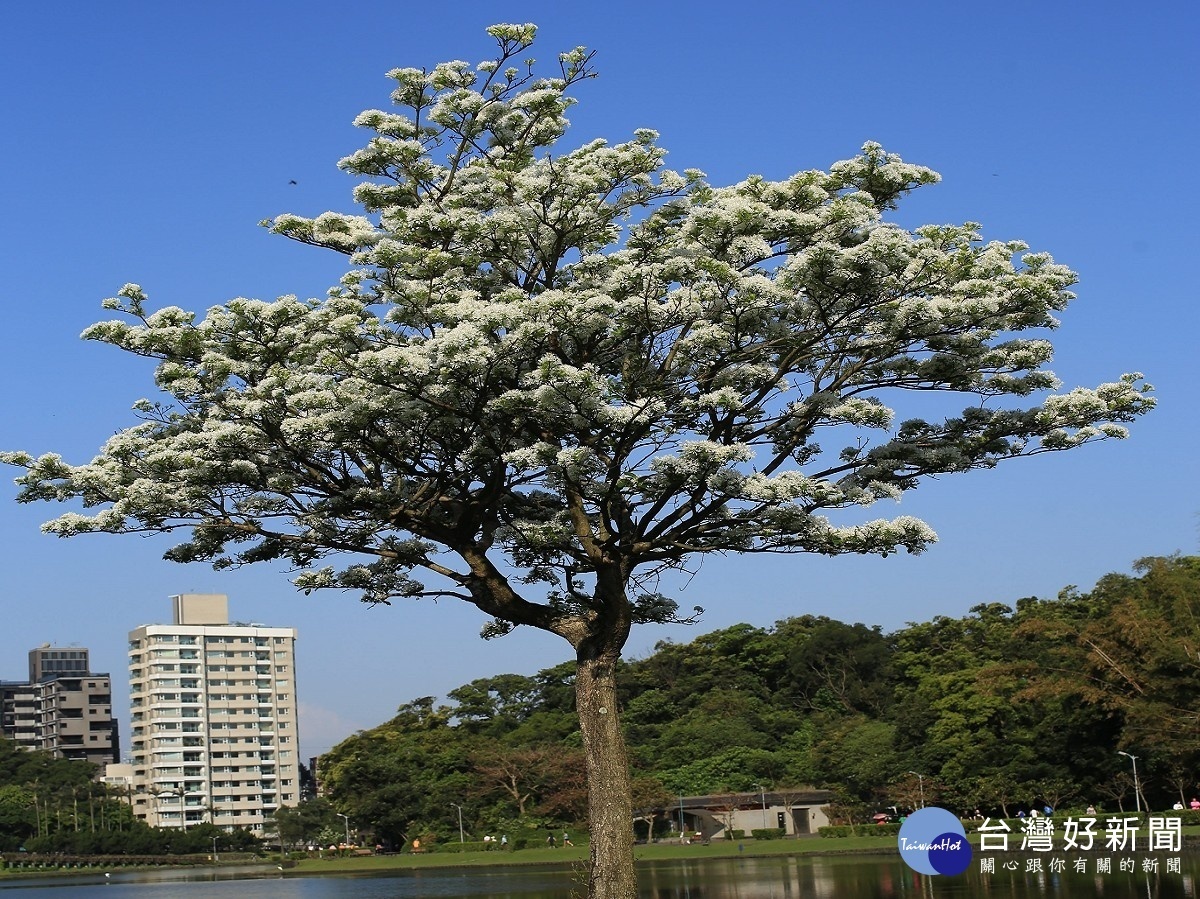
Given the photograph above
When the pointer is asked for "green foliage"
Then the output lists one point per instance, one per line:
(304, 824)
(495, 704)
(858, 830)
(470, 846)
(21, 766)
(857, 753)
(1007, 707)
(18, 820)
(842, 667)
(767, 833)
(736, 769)
(399, 779)
(56, 804)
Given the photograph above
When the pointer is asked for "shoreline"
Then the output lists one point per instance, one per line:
(643, 853)
(539, 857)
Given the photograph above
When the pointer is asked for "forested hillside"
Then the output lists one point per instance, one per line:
(1007, 706)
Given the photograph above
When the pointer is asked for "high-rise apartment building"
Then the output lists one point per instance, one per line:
(213, 728)
(64, 708)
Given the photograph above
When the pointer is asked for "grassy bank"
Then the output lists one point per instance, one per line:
(578, 854)
(575, 854)
(652, 852)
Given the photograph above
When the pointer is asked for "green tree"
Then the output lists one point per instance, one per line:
(858, 754)
(399, 779)
(1127, 653)
(553, 373)
(542, 778)
(842, 666)
(18, 820)
(737, 769)
(494, 705)
(650, 797)
(302, 824)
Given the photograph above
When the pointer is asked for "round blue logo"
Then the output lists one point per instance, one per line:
(933, 841)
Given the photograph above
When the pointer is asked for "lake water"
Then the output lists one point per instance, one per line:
(800, 877)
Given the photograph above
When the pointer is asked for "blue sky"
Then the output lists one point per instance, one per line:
(143, 142)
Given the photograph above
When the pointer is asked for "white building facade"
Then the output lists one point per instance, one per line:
(213, 729)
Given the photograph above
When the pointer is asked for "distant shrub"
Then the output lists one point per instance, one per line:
(469, 846)
(833, 831)
(767, 833)
(858, 830)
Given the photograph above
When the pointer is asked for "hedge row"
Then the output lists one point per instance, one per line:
(477, 846)
(859, 830)
(767, 833)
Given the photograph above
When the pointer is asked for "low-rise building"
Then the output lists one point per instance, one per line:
(717, 816)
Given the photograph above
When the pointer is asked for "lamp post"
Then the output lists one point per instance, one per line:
(461, 837)
(920, 784)
(763, 791)
(346, 818)
(216, 858)
(1137, 787)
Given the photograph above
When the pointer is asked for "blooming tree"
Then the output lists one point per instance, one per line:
(551, 374)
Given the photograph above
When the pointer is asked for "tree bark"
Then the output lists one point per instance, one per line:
(610, 807)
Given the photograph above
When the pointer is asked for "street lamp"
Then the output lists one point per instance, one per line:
(216, 858)
(461, 838)
(346, 818)
(920, 784)
(763, 791)
(1137, 787)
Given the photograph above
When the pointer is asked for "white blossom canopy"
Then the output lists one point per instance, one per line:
(562, 371)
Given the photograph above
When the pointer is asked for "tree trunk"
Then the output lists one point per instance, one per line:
(610, 807)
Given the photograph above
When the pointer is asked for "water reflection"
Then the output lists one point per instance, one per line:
(830, 877)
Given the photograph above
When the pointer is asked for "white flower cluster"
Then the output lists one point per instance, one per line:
(544, 349)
